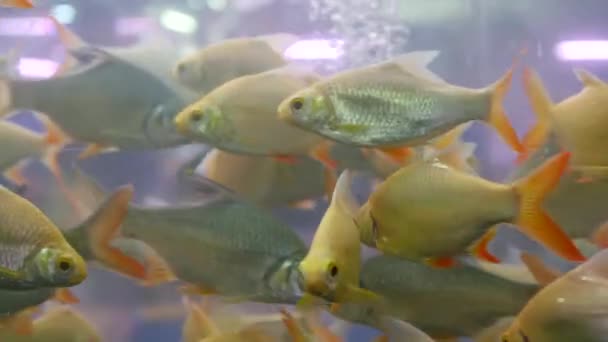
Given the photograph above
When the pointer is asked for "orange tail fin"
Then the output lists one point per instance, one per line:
(541, 105)
(480, 249)
(497, 118)
(104, 226)
(533, 220)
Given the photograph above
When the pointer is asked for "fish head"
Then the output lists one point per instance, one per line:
(204, 121)
(308, 109)
(59, 267)
(320, 276)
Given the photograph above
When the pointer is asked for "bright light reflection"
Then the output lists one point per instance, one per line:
(315, 49)
(64, 13)
(178, 21)
(577, 50)
(37, 67)
(26, 26)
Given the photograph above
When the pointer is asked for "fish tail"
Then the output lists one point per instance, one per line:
(541, 105)
(104, 225)
(497, 117)
(532, 219)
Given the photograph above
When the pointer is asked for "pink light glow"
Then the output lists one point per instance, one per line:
(315, 49)
(578, 50)
(37, 68)
(26, 26)
(133, 26)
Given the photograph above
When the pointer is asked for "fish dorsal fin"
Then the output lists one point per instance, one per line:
(416, 63)
(279, 42)
(588, 79)
(70, 41)
(543, 274)
(343, 197)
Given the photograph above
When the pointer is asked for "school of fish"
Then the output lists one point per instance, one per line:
(414, 258)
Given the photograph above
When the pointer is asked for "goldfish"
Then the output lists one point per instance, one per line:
(57, 324)
(398, 102)
(424, 230)
(577, 121)
(330, 270)
(17, 3)
(34, 252)
(257, 254)
(223, 61)
(460, 301)
(97, 111)
(570, 308)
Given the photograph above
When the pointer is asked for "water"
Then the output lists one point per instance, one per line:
(478, 40)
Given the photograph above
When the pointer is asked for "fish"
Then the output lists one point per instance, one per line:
(112, 103)
(220, 62)
(201, 326)
(571, 308)
(17, 3)
(577, 121)
(403, 216)
(266, 181)
(238, 116)
(257, 253)
(576, 206)
(34, 253)
(395, 103)
(397, 330)
(459, 301)
(61, 323)
(331, 268)
(22, 145)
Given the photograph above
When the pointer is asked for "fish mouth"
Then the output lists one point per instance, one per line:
(181, 124)
(80, 273)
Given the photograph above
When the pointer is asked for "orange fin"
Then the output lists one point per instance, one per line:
(543, 274)
(195, 289)
(18, 3)
(322, 154)
(157, 270)
(480, 249)
(533, 220)
(293, 328)
(20, 323)
(541, 105)
(65, 296)
(441, 262)
(104, 226)
(54, 134)
(399, 155)
(600, 236)
(91, 150)
(308, 204)
(198, 324)
(497, 117)
(450, 137)
(287, 159)
(69, 40)
(15, 174)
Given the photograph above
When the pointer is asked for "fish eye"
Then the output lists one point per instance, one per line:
(332, 269)
(297, 103)
(196, 116)
(64, 264)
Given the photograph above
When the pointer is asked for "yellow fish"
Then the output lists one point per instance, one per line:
(331, 268)
(60, 323)
(571, 308)
(33, 252)
(578, 121)
(223, 61)
(429, 211)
